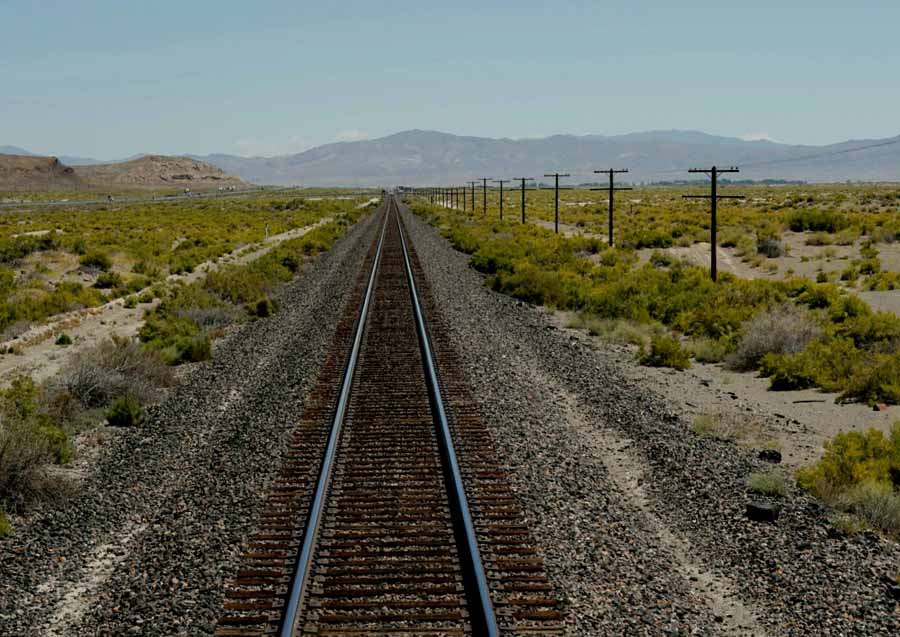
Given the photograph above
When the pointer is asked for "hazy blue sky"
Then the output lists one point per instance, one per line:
(113, 78)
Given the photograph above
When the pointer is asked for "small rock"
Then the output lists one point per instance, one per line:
(760, 511)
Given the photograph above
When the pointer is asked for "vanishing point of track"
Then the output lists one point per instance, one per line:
(391, 514)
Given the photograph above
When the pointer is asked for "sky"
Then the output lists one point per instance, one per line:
(109, 79)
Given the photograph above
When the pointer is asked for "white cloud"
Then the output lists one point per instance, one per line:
(351, 135)
(255, 147)
(757, 137)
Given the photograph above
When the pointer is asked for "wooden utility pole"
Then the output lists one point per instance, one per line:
(556, 176)
(612, 189)
(472, 183)
(484, 181)
(523, 180)
(501, 182)
(714, 196)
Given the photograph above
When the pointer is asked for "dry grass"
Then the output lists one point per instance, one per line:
(743, 429)
(117, 367)
(769, 483)
(784, 329)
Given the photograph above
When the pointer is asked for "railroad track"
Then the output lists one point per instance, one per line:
(391, 514)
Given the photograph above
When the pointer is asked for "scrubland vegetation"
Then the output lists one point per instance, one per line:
(116, 379)
(53, 261)
(796, 331)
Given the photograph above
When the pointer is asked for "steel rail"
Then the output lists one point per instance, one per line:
(303, 565)
(484, 620)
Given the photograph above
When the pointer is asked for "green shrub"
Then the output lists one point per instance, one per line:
(125, 411)
(29, 441)
(708, 350)
(666, 351)
(108, 280)
(5, 527)
(853, 458)
(96, 260)
(63, 339)
(262, 308)
(770, 483)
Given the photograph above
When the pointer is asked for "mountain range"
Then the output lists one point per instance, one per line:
(421, 157)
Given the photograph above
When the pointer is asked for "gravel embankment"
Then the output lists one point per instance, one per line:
(144, 546)
(642, 522)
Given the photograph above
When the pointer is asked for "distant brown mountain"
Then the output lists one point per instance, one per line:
(158, 171)
(31, 172)
(35, 173)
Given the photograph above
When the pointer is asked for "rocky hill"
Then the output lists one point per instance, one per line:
(158, 171)
(30, 172)
(36, 173)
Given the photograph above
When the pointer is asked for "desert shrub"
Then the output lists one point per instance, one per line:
(193, 350)
(876, 381)
(125, 411)
(852, 458)
(5, 528)
(817, 221)
(108, 280)
(850, 274)
(96, 260)
(616, 331)
(708, 350)
(63, 339)
(860, 473)
(661, 259)
(770, 247)
(113, 368)
(783, 329)
(666, 351)
(210, 318)
(769, 483)
(262, 308)
(819, 239)
(29, 441)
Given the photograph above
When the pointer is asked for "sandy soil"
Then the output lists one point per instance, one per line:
(797, 422)
(39, 357)
(801, 260)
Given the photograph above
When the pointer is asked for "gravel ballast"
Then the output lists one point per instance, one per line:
(642, 522)
(144, 545)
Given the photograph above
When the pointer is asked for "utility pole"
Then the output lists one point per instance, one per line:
(556, 176)
(523, 180)
(714, 196)
(612, 190)
(484, 181)
(472, 183)
(501, 182)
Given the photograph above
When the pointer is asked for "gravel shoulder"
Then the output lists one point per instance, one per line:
(641, 521)
(145, 543)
